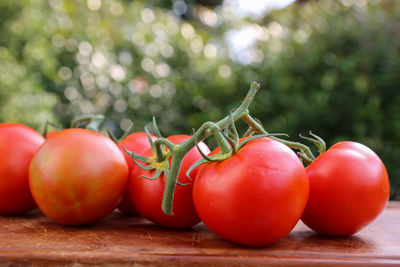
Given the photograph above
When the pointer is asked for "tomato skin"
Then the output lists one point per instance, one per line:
(51, 134)
(356, 147)
(78, 177)
(256, 196)
(349, 188)
(137, 143)
(147, 194)
(18, 144)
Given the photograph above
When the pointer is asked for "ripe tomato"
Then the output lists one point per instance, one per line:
(256, 196)
(78, 176)
(147, 194)
(349, 188)
(18, 144)
(51, 134)
(137, 143)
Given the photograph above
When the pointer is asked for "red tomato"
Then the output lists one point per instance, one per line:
(349, 188)
(256, 196)
(78, 176)
(147, 194)
(51, 134)
(18, 144)
(137, 143)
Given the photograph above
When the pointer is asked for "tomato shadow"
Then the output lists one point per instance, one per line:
(134, 230)
(25, 215)
(305, 240)
(348, 244)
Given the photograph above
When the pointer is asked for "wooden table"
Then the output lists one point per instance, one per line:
(36, 240)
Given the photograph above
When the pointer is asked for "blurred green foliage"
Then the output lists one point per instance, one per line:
(328, 66)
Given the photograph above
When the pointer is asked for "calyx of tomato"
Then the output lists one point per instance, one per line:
(95, 123)
(305, 153)
(160, 159)
(91, 122)
(316, 141)
(229, 142)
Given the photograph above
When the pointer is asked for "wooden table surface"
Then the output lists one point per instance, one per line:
(116, 240)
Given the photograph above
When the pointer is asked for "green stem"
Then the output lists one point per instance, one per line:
(165, 142)
(111, 136)
(305, 158)
(183, 148)
(178, 154)
(127, 132)
(215, 129)
(258, 128)
(46, 128)
(93, 122)
(159, 152)
(249, 132)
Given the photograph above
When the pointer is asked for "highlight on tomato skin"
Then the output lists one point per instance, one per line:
(19, 143)
(255, 197)
(147, 194)
(137, 143)
(349, 188)
(78, 177)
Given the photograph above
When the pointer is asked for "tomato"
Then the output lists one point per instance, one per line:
(18, 144)
(256, 196)
(51, 134)
(78, 176)
(137, 143)
(349, 188)
(147, 194)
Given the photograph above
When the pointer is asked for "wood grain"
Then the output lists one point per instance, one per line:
(34, 239)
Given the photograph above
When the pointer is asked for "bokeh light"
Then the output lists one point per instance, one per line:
(328, 66)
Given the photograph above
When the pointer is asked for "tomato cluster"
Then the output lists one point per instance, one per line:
(250, 190)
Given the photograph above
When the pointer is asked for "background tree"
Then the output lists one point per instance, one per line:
(328, 66)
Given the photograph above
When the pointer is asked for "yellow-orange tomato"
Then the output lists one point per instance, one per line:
(78, 176)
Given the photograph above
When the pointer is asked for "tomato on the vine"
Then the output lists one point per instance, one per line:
(78, 176)
(256, 196)
(18, 144)
(137, 143)
(349, 188)
(147, 194)
(51, 134)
